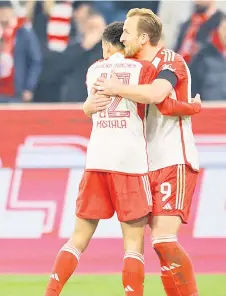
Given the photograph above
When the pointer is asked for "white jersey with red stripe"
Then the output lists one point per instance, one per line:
(118, 138)
(170, 139)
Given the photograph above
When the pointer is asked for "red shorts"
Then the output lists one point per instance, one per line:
(101, 194)
(172, 190)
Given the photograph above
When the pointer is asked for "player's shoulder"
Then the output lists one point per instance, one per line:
(170, 56)
(168, 59)
(144, 66)
(139, 62)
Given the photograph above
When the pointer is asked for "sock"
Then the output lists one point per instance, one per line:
(64, 266)
(133, 274)
(177, 272)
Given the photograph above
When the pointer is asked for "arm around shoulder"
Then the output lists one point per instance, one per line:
(153, 93)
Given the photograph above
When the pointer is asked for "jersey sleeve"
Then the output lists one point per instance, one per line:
(172, 107)
(89, 79)
(91, 76)
(169, 76)
(174, 62)
(147, 73)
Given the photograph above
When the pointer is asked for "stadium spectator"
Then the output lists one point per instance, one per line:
(196, 31)
(38, 12)
(82, 10)
(64, 74)
(117, 10)
(208, 67)
(51, 21)
(88, 52)
(20, 57)
(122, 7)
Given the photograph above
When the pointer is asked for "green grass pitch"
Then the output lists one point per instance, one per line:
(101, 285)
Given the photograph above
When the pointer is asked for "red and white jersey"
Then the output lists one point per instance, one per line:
(170, 139)
(118, 138)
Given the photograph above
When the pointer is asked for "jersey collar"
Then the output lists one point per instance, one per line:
(116, 56)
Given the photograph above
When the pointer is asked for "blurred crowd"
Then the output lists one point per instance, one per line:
(47, 46)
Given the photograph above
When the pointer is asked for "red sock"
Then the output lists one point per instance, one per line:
(65, 264)
(177, 272)
(133, 274)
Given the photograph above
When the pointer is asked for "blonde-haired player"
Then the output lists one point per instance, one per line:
(173, 158)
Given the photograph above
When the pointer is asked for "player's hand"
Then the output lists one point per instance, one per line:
(95, 103)
(108, 87)
(90, 40)
(196, 99)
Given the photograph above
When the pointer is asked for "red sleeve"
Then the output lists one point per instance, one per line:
(147, 73)
(174, 63)
(172, 107)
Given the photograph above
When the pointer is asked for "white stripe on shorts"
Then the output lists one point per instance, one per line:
(147, 189)
(181, 184)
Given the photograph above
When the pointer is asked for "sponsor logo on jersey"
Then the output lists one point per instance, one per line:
(168, 67)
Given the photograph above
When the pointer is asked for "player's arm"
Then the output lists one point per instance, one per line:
(95, 103)
(172, 107)
(155, 93)
(87, 107)
(146, 93)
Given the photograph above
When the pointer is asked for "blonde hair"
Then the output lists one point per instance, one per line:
(148, 23)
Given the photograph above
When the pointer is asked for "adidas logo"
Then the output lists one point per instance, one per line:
(55, 276)
(172, 266)
(168, 67)
(167, 207)
(129, 289)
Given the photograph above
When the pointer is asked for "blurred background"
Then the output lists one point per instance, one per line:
(46, 48)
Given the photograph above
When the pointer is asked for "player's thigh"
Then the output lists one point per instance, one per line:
(164, 225)
(172, 196)
(94, 200)
(133, 234)
(131, 196)
(82, 233)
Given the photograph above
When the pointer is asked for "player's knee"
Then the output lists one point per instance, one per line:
(133, 235)
(135, 244)
(165, 225)
(83, 232)
(79, 242)
(162, 244)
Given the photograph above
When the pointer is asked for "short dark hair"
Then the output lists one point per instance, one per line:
(113, 32)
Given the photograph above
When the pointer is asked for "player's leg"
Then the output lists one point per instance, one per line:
(92, 193)
(68, 257)
(133, 263)
(131, 196)
(171, 205)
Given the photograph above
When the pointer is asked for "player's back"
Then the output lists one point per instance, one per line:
(170, 139)
(117, 142)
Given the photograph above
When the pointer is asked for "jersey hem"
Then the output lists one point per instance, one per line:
(173, 164)
(115, 172)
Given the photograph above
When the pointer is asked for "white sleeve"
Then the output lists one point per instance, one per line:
(89, 80)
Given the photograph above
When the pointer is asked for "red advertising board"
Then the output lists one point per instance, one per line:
(42, 156)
